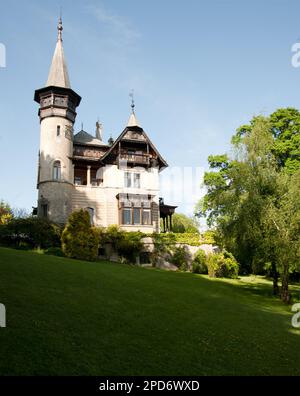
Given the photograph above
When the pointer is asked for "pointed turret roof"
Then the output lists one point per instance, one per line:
(58, 74)
(133, 122)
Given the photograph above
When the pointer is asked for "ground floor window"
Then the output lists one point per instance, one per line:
(146, 213)
(126, 216)
(135, 216)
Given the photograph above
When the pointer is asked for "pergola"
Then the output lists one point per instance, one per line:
(166, 212)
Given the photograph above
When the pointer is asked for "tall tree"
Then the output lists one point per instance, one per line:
(243, 191)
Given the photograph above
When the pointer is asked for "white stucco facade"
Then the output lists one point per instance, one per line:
(118, 183)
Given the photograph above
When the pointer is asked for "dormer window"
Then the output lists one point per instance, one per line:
(57, 170)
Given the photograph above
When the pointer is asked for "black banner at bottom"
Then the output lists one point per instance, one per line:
(135, 385)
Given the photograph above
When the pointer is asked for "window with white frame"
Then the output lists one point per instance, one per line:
(132, 180)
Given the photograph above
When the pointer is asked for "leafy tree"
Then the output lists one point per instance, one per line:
(285, 129)
(79, 239)
(6, 213)
(244, 192)
(182, 223)
(281, 226)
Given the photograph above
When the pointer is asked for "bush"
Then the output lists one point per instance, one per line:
(130, 246)
(112, 234)
(79, 239)
(163, 246)
(30, 233)
(209, 237)
(222, 265)
(199, 265)
(180, 258)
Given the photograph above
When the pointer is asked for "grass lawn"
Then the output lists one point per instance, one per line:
(68, 317)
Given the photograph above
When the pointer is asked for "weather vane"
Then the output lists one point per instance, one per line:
(132, 100)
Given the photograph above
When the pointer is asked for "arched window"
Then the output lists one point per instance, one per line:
(57, 170)
(91, 213)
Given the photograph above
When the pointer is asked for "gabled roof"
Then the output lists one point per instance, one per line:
(85, 138)
(138, 129)
(58, 74)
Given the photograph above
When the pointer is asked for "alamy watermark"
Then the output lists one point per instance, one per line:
(2, 55)
(296, 317)
(2, 315)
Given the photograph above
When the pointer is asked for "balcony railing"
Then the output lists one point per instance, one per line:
(135, 158)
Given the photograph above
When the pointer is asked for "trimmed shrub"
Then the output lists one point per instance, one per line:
(30, 233)
(199, 265)
(222, 265)
(79, 239)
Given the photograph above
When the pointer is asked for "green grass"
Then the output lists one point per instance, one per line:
(68, 317)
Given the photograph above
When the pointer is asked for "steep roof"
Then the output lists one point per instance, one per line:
(132, 122)
(58, 74)
(85, 138)
(135, 129)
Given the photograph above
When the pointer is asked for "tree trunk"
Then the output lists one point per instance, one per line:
(285, 294)
(275, 280)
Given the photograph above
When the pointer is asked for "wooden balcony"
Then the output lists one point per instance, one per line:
(139, 159)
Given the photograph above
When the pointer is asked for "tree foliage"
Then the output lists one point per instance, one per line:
(184, 224)
(30, 233)
(222, 265)
(253, 196)
(199, 264)
(6, 213)
(79, 239)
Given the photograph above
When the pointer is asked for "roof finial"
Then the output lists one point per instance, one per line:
(98, 130)
(132, 101)
(59, 28)
(82, 126)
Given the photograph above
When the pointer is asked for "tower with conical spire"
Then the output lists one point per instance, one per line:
(116, 182)
(57, 113)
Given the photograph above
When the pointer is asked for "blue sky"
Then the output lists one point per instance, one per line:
(199, 70)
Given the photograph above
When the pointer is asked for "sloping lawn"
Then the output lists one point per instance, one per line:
(68, 317)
